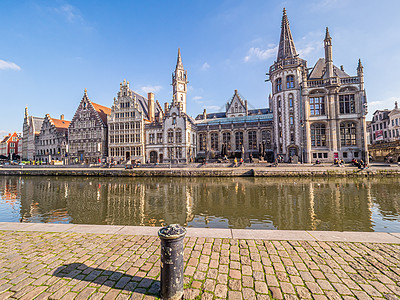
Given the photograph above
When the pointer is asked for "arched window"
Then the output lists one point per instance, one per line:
(202, 142)
(348, 134)
(318, 135)
(290, 100)
(266, 138)
(278, 85)
(290, 81)
(214, 141)
(226, 139)
(239, 140)
(252, 135)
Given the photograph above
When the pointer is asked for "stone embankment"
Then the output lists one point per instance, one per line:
(209, 171)
(67, 261)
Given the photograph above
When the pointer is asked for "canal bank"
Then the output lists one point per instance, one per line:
(215, 170)
(66, 261)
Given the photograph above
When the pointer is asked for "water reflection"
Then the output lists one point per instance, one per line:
(293, 203)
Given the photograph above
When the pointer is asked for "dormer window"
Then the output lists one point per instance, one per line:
(290, 81)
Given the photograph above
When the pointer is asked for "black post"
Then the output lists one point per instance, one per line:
(172, 261)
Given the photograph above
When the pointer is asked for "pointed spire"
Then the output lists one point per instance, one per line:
(286, 43)
(360, 68)
(395, 105)
(327, 35)
(179, 64)
(85, 93)
(26, 111)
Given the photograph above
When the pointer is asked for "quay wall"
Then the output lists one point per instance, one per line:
(205, 172)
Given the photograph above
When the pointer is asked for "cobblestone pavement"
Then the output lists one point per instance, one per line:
(67, 265)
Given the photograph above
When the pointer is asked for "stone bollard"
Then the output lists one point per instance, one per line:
(172, 261)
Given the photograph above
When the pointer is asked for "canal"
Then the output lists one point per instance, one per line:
(254, 203)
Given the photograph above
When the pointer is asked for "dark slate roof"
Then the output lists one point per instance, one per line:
(143, 102)
(319, 70)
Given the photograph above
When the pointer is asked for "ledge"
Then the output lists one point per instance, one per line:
(253, 234)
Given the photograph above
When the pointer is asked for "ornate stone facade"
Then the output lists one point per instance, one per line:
(87, 133)
(51, 144)
(172, 138)
(126, 124)
(239, 132)
(318, 115)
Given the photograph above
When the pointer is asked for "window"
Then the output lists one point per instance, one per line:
(318, 135)
(325, 155)
(239, 140)
(159, 138)
(291, 120)
(178, 136)
(344, 154)
(347, 134)
(151, 138)
(214, 141)
(279, 102)
(266, 138)
(290, 81)
(226, 139)
(278, 85)
(290, 100)
(317, 106)
(252, 140)
(202, 141)
(356, 154)
(347, 104)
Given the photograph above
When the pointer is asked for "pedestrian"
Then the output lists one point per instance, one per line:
(235, 162)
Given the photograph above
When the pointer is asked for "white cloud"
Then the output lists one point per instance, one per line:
(376, 103)
(260, 54)
(71, 13)
(205, 66)
(151, 88)
(7, 65)
(197, 97)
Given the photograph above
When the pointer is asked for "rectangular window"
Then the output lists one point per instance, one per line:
(344, 154)
(151, 138)
(325, 155)
(317, 106)
(159, 138)
(314, 155)
(347, 104)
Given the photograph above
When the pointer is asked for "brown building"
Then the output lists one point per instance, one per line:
(87, 132)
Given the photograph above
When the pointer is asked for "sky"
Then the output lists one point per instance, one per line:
(50, 51)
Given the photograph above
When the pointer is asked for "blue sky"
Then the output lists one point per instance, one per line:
(50, 51)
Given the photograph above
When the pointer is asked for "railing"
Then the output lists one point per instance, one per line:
(332, 81)
(287, 62)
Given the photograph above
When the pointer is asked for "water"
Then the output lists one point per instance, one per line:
(256, 203)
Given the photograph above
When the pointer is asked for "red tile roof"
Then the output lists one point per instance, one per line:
(60, 124)
(103, 111)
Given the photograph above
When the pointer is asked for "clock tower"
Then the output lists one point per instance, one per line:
(179, 84)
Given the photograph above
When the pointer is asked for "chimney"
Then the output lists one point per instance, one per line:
(161, 112)
(204, 114)
(150, 97)
(166, 108)
(245, 105)
(62, 117)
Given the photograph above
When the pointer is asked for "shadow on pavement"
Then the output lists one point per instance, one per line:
(113, 279)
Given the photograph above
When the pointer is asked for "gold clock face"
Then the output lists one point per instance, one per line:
(181, 87)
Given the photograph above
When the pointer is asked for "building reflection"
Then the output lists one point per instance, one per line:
(286, 203)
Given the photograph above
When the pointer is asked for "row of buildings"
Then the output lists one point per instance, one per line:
(314, 114)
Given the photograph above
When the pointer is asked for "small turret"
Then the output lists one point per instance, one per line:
(395, 105)
(204, 114)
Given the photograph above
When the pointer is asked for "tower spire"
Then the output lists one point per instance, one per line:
(179, 64)
(286, 43)
(328, 54)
